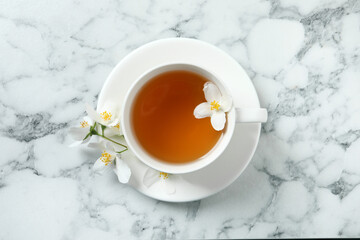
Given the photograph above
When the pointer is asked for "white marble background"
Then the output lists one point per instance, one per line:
(303, 57)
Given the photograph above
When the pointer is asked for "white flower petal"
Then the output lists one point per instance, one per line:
(112, 123)
(202, 110)
(93, 114)
(89, 120)
(114, 109)
(99, 165)
(122, 170)
(118, 148)
(120, 130)
(112, 131)
(150, 177)
(97, 145)
(75, 144)
(110, 148)
(218, 120)
(116, 126)
(110, 106)
(169, 187)
(212, 92)
(104, 145)
(86, 140)
(113, 155)
(78, 133)
(225, 103)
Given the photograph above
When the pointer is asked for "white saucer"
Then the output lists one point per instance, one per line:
(228, 167)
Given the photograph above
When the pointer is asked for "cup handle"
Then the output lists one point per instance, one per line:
(251, 115)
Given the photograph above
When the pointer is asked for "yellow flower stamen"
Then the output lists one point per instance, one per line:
(164, 175)
(215, 105)
(106, 115)
(105, 158)
(117, 126)
(84, 124)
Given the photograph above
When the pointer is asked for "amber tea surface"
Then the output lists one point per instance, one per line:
(163, 121)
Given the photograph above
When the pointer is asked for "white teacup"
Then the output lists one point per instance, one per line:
(235, 115)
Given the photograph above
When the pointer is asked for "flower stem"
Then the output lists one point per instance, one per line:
(94, 132)
(113, 141)
(122, 151)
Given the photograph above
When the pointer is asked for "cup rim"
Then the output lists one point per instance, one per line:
(163, 166)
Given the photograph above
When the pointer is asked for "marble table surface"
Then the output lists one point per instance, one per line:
(303, 58)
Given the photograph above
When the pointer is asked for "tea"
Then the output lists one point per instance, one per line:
(163, 119)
